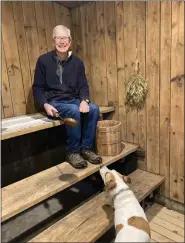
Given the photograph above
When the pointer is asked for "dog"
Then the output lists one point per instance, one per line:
(130, 221)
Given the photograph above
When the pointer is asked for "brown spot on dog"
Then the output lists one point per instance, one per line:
(140, 223)
(118, 228)
(110, 181)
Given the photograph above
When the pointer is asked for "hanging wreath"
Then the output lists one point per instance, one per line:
(136, 89)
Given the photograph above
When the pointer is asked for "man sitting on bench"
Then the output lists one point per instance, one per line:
(60, 85)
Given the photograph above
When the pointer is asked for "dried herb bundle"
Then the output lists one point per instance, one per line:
(136, 90)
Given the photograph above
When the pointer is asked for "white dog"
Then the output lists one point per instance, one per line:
(130, 220)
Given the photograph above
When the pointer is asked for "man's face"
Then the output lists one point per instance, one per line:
(62, 42)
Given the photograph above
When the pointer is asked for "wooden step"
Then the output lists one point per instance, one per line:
(19, 125)
(25, 193)
(93, 219)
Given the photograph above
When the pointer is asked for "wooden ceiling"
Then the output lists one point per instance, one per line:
(71, 4)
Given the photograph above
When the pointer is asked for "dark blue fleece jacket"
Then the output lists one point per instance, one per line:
(47, 85)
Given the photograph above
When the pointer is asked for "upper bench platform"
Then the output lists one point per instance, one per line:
(20, 125)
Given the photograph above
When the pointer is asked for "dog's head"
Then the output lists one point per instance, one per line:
(113, 180)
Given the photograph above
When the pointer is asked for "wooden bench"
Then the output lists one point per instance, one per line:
(23, 194)
(93, 219)
(20, 125)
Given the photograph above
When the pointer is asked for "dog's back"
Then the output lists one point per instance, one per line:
(130, 220)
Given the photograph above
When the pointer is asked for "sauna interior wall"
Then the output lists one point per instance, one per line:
(109, 36)
(26, 34)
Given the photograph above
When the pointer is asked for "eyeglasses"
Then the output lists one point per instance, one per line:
(61, 38)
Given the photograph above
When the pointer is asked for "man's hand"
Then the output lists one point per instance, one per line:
(84, 107)
(50, 110)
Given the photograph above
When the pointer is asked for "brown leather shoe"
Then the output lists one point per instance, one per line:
(76, 160)
(91, 156)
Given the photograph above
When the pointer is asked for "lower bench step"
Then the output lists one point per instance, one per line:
(93, 219)
(36, 188)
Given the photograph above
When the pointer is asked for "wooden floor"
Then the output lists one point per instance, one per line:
(166, 225)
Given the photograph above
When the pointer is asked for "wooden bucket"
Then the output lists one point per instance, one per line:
(108, 138)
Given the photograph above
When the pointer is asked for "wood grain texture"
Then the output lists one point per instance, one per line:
(85, 45)
(31, 35)
(130, 49)
(166, 224)
(165, 66)
(24, 22)
(110, 43)
(162, 215)
(121, 66)
(89, 45)
(102, 92)
(49, 19)
(2, 110)
(20, 125)
(177, 104)
(152, 74)
(165, 232)
(58, 14)
(95, 75)
(93, 219)
(23, 55)
(66, 17)
(49, 182)
(41, 29)
(170, 212)
(141, 54)
(6, 91)
(12, 59)
(76, 17)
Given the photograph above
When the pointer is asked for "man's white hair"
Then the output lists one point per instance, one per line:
(61, 28)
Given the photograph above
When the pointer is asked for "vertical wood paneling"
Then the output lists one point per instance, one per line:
(165, 66)
(141, 54)
(6, 92)
(130, 58)
(177, 104)
(152, 74)
(84, 29)
(95, 83)
(108, 36)
(121, 65)
(143, 30)
(89, 44)
(110, 43)
(49, 18)
(41, 29)
(58, 14)
(24, 37)
(23, 55)
(12, 59)
(31, 35)
(78, 34)
(66, 17)
(101, 54)
(2, 109)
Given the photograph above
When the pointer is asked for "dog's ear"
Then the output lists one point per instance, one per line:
(110, 182)
(126, 179)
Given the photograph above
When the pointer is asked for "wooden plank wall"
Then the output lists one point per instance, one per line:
(111, 37)
(26, 34)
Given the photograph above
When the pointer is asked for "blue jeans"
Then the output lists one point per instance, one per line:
(83, 135)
